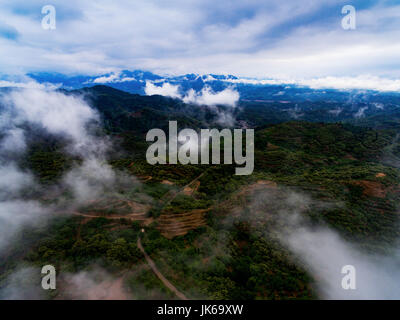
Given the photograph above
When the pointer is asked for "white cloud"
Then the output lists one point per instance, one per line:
(13, 179)
(31, 84)
(23, 284)
(362, 82)
(253, 39)
(325, 252)
(54, 111)
(166, 89)
(13, 141)
(106, 79)
(59, 114)
(96, 284)
(206, 96)
(90, 179)
(18, 212)
(361, 112)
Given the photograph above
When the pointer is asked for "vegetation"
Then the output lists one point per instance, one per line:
(224, 251)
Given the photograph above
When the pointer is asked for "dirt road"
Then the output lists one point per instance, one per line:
(164, 280)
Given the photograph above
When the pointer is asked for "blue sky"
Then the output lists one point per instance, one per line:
(289, 39)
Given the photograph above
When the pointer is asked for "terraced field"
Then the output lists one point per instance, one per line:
(173, 225)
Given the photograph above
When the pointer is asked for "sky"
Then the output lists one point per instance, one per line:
(271, 39)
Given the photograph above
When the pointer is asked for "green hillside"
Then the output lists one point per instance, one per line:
(209, 231)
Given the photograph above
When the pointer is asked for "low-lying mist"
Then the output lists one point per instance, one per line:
(69, 118)
(323, 251)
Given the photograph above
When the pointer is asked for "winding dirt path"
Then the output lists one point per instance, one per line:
(135, 217)
(164, 280)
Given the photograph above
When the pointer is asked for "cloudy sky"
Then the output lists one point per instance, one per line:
(289, 39)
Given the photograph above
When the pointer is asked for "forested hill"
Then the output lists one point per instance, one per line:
(211, 233)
